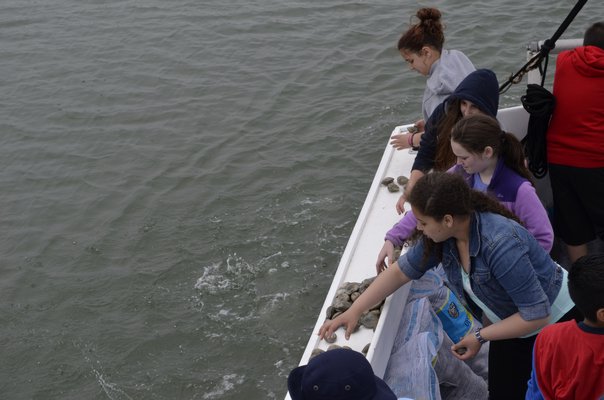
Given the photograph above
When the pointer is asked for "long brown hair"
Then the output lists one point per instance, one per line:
(429, 31)
(444, 158)
(439, 193)
(475, 132)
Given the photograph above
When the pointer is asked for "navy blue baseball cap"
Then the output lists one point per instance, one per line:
(339, 374)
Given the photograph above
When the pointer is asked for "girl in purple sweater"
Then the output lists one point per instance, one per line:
(491, 161)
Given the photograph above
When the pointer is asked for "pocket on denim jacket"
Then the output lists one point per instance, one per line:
(481, 276)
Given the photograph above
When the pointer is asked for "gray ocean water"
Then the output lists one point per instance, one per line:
(178, 180)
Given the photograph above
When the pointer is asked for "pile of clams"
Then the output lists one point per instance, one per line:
(392, 186)
(345, 296)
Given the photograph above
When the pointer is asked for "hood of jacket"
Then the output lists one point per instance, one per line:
(482, 89)
(588, 61)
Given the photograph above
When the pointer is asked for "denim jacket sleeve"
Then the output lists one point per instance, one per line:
(411, 263)
(510, 264)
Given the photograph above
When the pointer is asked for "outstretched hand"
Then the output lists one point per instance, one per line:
(386, 251)
(400, 204)
(400, 141)
(348, 320)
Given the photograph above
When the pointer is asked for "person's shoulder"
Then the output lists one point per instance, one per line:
(559, 335)
(584, 50)
(456, 53)
(498, 219)
(457, 169)
(559, 329)
(566, 53)
(461, 58)
(492, 218)
(434, 119)
(566, 56)
(498, 231)
(411, 262)
(526, 189)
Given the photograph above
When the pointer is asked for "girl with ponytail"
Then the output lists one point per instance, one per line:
(421, 46)
(492, 161)
(498, 268)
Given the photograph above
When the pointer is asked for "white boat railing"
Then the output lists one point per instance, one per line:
(377, 216)
(533, 48)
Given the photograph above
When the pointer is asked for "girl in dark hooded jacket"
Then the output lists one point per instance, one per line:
(477, 93)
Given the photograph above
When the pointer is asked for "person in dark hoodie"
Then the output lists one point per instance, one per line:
(575, 144)
(477, 93)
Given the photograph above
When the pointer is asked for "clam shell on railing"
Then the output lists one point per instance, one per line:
(346, 294)
(387, 180)
(393, 187)
(402, 180)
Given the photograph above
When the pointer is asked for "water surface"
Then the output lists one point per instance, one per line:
(179, 179)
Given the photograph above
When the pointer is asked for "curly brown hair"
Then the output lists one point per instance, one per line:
(439, 193)
(444, 158)
(429, 31)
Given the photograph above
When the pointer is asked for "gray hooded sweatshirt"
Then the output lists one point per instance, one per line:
(445, 74)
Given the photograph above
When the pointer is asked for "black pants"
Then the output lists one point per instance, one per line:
(577, 195)
(511, 363)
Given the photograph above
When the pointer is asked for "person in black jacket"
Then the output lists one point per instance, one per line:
(477, 93)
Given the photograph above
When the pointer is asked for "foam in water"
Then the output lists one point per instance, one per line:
(212, 280)
(216, 278)
(110, 389)
(272, 300)
(227, 383)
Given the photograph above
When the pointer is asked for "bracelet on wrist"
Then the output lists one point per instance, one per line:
(410, 139)
(479, 337)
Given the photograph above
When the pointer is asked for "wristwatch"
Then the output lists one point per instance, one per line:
(478, 336)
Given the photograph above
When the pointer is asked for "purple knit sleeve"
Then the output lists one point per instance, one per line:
(531, 212)
(402, 230)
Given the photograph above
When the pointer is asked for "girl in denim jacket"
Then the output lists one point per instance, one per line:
(492, 262)
(491, 161)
